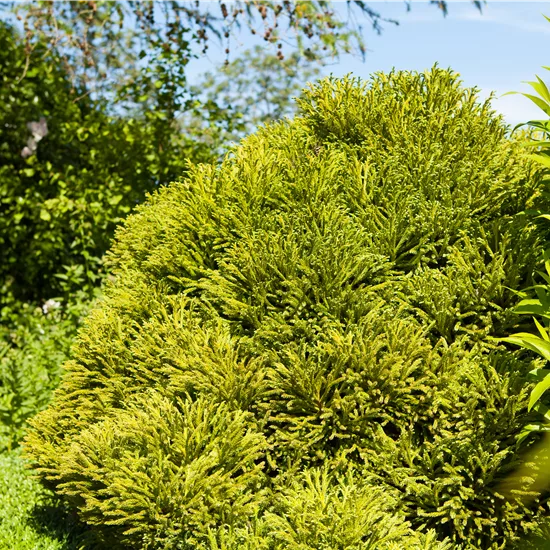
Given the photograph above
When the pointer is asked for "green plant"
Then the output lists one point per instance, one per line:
(69, 173)
(33, 347)
(536, 299)
(301, 331)
(315, 510)
(31, 517)
(539, 306)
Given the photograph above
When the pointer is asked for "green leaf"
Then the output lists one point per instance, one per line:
(541, 89)
(531, 306)
(538, 374)
(536, 143)
(528, 430)
(543, 125)
(541, 159)
(542, 331)
(540, 103)
(45, 215)
(538, 391)
(530, 342)
(546, 257)
(545, 276)
(115, 200)
(544, 410)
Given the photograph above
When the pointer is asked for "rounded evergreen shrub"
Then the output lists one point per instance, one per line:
(293, 350)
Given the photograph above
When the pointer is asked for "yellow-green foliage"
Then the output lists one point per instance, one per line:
(293, 352)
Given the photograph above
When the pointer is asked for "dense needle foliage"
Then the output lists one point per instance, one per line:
(292, 352)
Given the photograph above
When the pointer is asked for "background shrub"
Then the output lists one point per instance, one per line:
(63, 193)
(33, 347)
(308, 321)
(73, 162)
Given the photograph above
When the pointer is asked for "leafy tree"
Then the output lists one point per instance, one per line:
(256, 88)
(69, 173)
(296, 338)
(135, 50)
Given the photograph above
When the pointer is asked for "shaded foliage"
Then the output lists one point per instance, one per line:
(63, 193)
(34, 344)
(31, 518)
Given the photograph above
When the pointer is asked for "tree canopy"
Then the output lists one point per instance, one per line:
(138, 51)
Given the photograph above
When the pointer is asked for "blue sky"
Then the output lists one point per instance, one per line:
(496, 50)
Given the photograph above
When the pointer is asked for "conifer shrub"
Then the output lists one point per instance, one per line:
(293, 350)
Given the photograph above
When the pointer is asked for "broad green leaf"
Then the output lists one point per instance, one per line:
(542, 331)
(536, 143)
(538, 374)
(520, 293)
(542, 295)
(538, 391)
(529, 429)
(542, 409)
(45, 215)
(541, 159)
(540, 88)
(542, 125)
(540, 103)
(545, 276)
(546, 257)
(530, 342)
(115, 199)
(531, 306)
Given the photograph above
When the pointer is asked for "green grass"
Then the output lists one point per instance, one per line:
(31, 518)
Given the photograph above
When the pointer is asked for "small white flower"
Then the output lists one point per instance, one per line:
(38, 130)
(50, 304)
